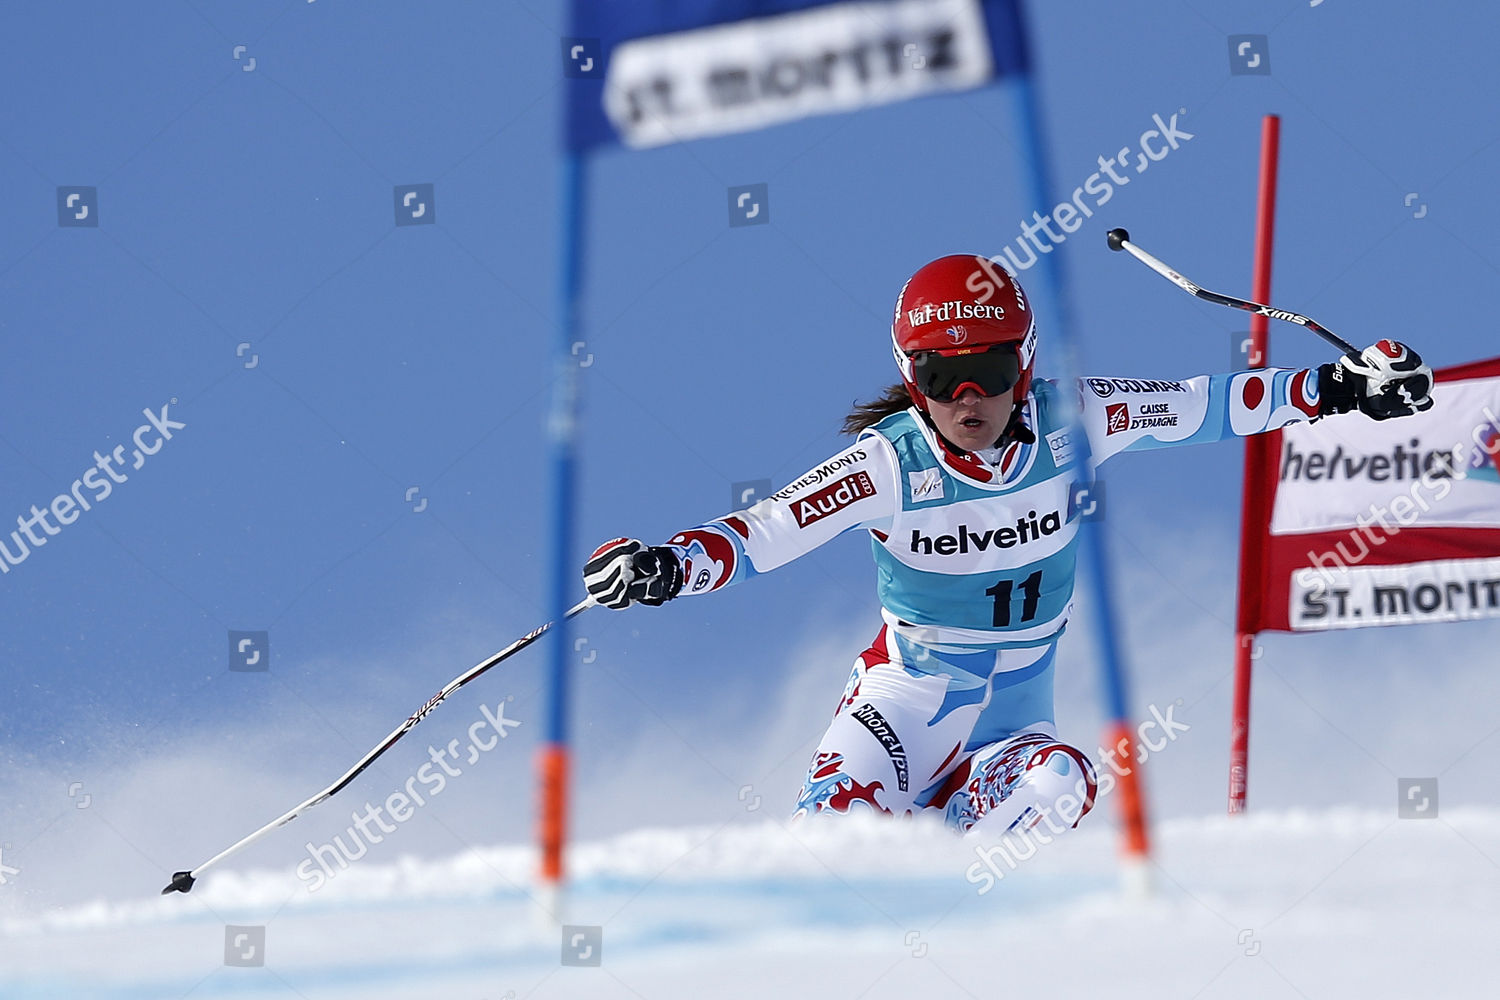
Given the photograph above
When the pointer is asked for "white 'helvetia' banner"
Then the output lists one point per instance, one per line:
(1389, 523)
(662, 72)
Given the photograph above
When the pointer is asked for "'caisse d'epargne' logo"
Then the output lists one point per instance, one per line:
(1117, 418)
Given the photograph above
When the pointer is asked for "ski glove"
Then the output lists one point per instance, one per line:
(1388, 380)
(625, 571)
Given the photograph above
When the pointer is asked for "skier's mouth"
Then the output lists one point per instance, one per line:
(973, 423)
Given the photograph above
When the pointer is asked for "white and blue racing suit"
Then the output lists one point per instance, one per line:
(951, 706)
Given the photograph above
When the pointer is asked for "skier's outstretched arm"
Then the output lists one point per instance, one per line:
(853, 489)
(1120, 414)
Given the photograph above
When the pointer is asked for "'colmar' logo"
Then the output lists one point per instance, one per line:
(816, 506)
(1027, 529)
(1106, 387)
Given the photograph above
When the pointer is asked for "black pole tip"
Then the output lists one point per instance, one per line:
(181, 882)
(1117, 238)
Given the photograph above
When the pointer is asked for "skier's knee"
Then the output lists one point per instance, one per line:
(1061, 784)
(1025, 785)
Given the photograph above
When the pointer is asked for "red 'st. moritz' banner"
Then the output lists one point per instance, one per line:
(1388, 522)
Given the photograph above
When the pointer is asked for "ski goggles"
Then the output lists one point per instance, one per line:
(944, 376)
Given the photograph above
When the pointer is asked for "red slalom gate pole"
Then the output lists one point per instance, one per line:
(1255, 512)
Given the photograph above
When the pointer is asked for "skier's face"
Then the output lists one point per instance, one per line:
(973, 421)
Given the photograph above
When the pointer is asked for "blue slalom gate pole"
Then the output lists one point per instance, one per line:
(562, 432)
(1094, 555)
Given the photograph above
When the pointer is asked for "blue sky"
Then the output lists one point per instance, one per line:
(254, 206)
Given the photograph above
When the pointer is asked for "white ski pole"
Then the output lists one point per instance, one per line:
(183, 881)
(1119, 239)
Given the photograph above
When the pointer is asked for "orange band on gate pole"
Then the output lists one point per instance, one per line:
(552, 812)
(1127, 778)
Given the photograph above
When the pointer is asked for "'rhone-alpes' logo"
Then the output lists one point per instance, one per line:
(869, 716)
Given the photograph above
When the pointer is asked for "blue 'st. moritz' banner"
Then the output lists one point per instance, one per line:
(658, 72)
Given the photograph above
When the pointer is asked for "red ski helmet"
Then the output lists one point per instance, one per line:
(961, 307)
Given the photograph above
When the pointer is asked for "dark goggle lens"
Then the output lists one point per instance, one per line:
(993, 372)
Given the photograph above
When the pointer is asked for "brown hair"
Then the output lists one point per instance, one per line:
(892, 399)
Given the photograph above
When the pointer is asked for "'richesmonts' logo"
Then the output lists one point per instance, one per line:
(820, 473)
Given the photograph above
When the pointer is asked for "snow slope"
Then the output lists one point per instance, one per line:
(1338, 903)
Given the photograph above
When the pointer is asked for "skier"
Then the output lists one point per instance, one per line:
(966, 479)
